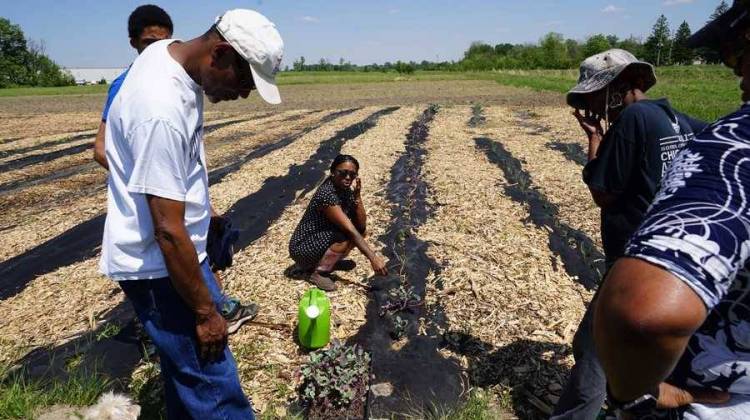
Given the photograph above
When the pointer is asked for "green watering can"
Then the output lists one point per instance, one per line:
(314, 323)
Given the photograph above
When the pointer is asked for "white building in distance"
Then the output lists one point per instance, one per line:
(88, 75)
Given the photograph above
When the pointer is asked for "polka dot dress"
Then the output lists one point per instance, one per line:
(315, 233)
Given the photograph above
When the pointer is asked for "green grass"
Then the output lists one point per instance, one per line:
(477, 407)
(705, 92)
(21, 398)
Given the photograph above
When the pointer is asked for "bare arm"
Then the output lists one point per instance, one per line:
(644, 318)
(337, 216)
(594, 132)
(360, 216)
(185, 273)
(99, 155)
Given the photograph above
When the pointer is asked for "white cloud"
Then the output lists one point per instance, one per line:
(310, 19)
(677, 2)
(612, 9)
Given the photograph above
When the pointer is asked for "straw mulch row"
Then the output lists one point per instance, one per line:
(511, 312)
(38, 213)
(30, 127)
(558, 178)
(22, 130)
(72, 299)
(268, 358)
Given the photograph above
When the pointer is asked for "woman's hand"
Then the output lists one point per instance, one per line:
(357, 187)
(378, 265)
(591, 125)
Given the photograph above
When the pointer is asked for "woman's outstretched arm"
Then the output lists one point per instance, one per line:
(337, 216)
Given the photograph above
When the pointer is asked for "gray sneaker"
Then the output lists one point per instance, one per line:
(237, 314)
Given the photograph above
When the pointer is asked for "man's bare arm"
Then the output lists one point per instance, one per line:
(185, 273)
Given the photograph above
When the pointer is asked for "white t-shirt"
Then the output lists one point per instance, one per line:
(154, 146)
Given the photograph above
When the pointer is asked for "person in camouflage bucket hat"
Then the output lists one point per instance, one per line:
(599, 71)
(625, 166)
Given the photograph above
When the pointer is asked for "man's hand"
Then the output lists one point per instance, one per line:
(591, 125)
(672, 397)
(211, 332)
(378, 265)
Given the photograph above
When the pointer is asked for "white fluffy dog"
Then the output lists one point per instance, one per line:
(113, 406)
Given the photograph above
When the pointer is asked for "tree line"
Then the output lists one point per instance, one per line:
(663, 47)
(24, 63)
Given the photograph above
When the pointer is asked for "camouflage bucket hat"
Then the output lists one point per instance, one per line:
(599, 70)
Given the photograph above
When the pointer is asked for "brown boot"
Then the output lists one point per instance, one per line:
(322, 282)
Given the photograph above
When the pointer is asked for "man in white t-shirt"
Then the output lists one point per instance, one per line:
(158, 208)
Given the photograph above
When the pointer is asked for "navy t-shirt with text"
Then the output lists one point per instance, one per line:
(634, 155)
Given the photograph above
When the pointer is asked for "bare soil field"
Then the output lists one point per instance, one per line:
(479, 210)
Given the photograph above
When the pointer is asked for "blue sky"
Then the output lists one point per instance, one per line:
(87, 33)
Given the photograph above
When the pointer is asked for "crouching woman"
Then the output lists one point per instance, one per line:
(333, 224)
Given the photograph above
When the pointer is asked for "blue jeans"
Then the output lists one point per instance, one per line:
(193, 388)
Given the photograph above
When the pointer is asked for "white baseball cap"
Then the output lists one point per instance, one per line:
(256, 39)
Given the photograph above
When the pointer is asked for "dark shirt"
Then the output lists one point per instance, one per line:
(632, 158)
(698, 229)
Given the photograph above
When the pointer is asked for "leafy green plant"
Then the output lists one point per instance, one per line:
(336, 377)
(399, 327)
(400, 299)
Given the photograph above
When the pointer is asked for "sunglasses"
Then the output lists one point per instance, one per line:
(346, 174)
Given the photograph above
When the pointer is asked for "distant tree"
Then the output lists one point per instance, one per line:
(299, 65)
(633, 45)
(575, 52)
(596, 44)
(613, 40)
(554, 53)
(25, 63)
(658, 46)
(13, 55)
(503, 49)
(681, 53)
(102, 81)
(404, 68)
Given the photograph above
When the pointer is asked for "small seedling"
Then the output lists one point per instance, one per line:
(333, 378)
(477, 116)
